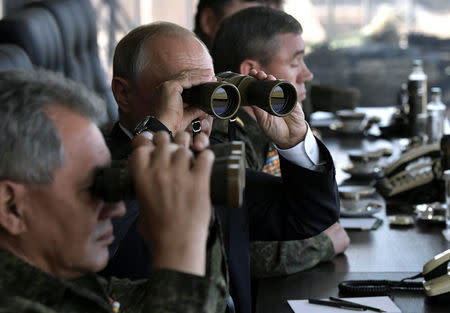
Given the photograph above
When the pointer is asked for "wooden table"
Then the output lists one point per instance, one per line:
(385, 253)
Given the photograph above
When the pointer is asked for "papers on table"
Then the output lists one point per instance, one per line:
(360, 223)
(384, 303)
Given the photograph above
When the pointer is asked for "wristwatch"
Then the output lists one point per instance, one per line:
(152, 124)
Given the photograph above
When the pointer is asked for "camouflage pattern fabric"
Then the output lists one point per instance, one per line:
(24, 288)
(257, 145)
(276, 258)
(272, 258)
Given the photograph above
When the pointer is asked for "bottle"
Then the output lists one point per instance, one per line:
(436, 116)
(417, 97)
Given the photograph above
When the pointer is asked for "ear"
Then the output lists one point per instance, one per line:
(12, 207)
(209, 23)
(247, 65)
(122, 91)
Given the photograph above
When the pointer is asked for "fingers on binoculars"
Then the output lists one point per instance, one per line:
(190, 78)
(261, 75)
(161, 154)
(181, 159)
(203, 165)
(182, 138)
(197, 143)
(200, 142)
(140, 159)
(143, 139)
(161, 138)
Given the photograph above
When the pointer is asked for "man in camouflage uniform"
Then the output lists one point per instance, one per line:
(269, 40)
(55, 232)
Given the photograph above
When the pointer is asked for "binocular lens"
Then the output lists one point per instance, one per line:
(219, 99)
(282, 100)
(277, 99)
(224, 101)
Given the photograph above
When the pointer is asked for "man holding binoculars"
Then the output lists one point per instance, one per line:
(55, 232)
(160, 61)
(270, 40)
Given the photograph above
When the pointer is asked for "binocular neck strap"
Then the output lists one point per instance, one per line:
(232, 129)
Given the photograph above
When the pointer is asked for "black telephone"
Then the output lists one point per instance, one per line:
(436, 283)
(415, 176)
(436, 273)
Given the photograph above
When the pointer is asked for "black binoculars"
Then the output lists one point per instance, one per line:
(227, 178)
(223, 98)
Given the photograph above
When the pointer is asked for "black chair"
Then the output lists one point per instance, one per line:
(13, 57)
(61, 35)
(35, 30)
(77, 22)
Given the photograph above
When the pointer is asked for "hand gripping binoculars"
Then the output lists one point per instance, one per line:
(227, 178)
(223, 98)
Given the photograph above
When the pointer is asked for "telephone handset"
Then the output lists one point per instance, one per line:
(415, 168)
(436, 273)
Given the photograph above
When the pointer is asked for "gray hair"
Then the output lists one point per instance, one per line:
(31, 148)
(130, 57)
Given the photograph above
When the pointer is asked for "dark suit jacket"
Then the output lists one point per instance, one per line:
(299, 205)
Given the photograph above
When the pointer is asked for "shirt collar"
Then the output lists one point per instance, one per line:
(126, 131)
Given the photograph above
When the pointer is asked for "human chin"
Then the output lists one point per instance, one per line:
(99, 256)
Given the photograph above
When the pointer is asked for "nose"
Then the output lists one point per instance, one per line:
(305, 75)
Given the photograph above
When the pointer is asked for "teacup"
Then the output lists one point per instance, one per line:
(351, 121)
(356, 198)
(365, 159)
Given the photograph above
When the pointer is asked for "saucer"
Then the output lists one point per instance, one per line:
(375, 205)
(363, 171)
(339, 128)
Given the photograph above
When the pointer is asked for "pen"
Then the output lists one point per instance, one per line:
(362, 305)
(336, 304)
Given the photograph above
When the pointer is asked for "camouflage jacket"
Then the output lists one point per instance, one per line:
(257, 144)
(272, 258)
(24, 288)
(275, 258)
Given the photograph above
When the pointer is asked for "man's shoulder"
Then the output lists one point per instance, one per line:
(17, 304)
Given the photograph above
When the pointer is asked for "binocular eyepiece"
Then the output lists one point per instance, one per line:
(223, 98)
(226, 185)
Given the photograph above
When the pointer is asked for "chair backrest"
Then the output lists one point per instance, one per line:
(35, 30)
(13, 57)
(61, 35)
(77, 22)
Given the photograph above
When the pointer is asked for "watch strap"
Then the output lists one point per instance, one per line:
(152, 124)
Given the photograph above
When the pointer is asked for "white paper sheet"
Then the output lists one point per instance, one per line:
(360, 223)
(384, 303)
